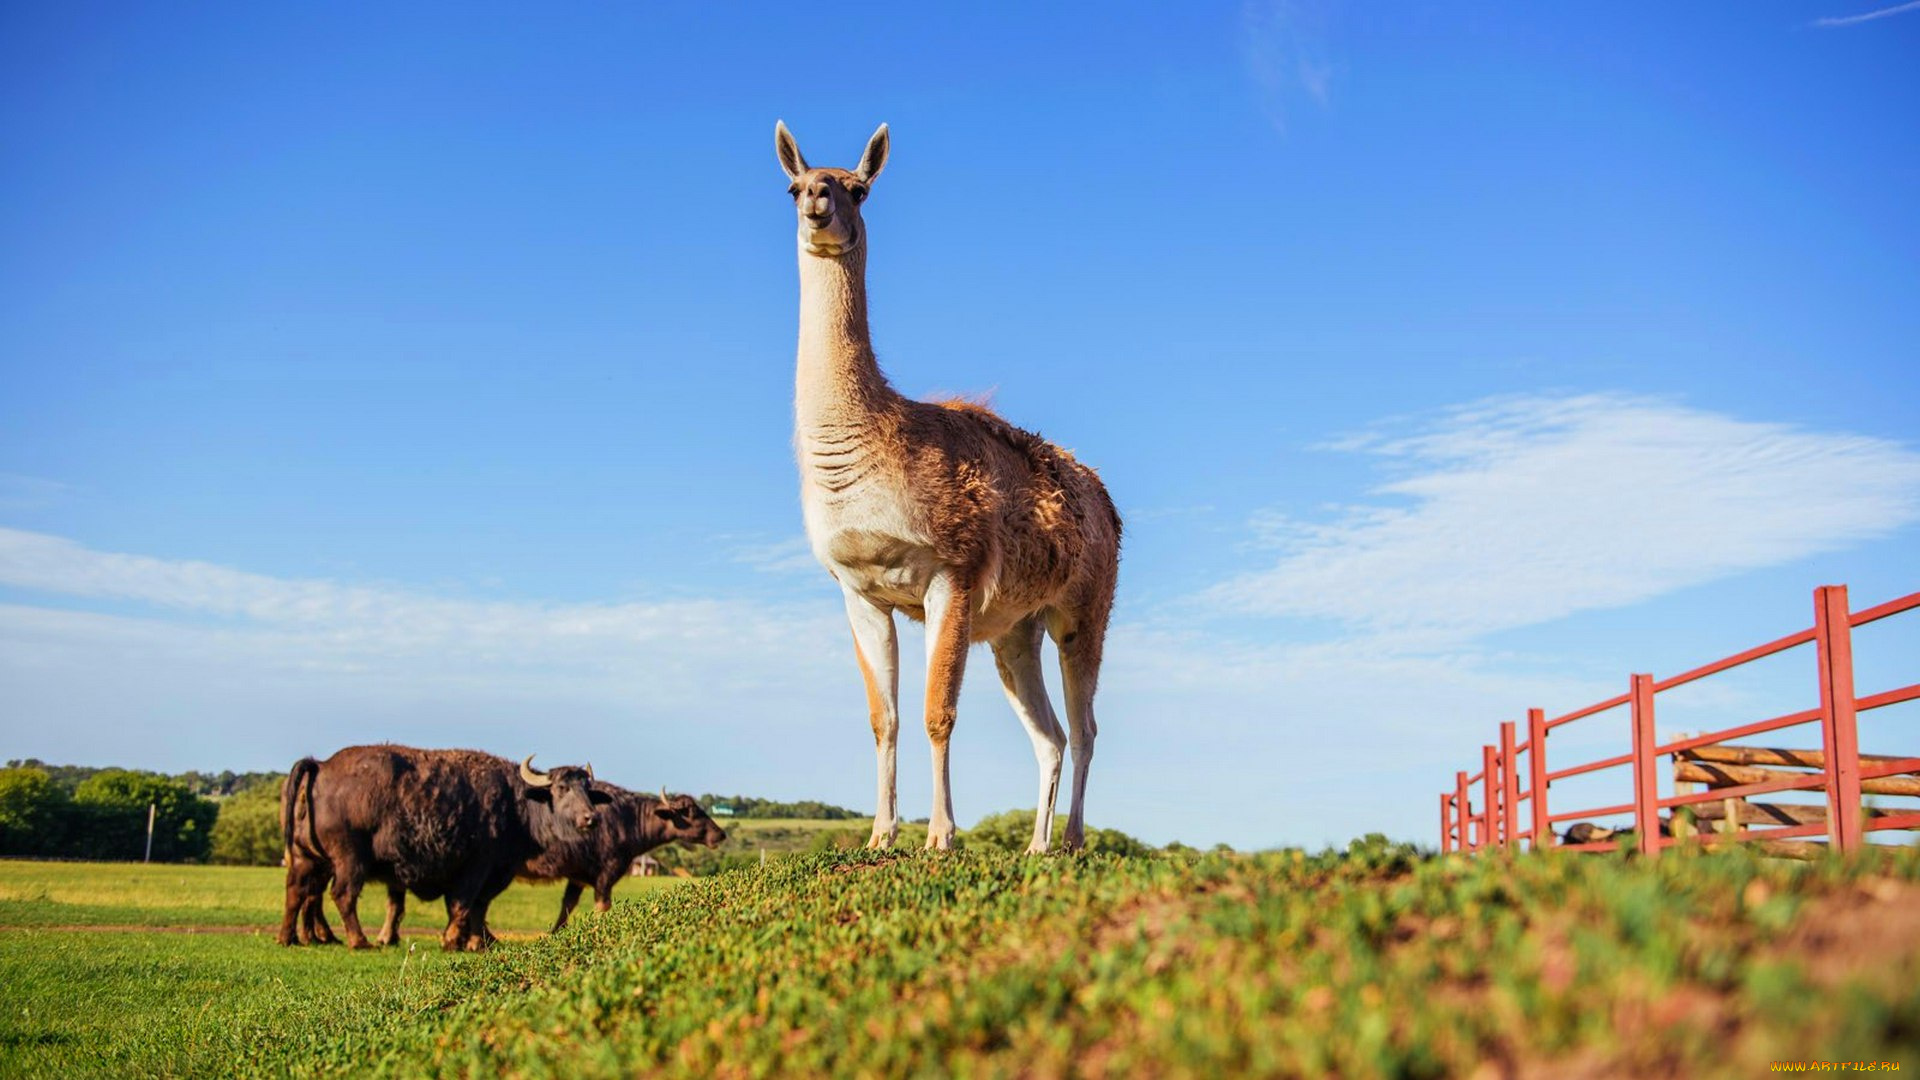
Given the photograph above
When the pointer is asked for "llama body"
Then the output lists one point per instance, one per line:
(943, 512)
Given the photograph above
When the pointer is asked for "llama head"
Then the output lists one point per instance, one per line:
(827, 201)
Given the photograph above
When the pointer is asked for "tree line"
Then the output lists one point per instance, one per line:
(746, 806)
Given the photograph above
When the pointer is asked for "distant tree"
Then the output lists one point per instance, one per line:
(247, 832)
(118, 799)
(65, 777)
(30, 806)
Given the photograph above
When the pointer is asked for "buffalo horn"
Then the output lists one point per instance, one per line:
(533, 777)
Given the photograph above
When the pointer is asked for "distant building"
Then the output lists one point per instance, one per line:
(645, 866)
(719, 810)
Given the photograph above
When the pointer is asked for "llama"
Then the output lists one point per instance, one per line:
(944, 512)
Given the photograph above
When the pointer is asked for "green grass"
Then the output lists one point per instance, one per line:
(1374, 962)
(56, 894)
(77, 1003)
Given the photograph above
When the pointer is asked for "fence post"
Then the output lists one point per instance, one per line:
(1509, 788)
(1446, 823)
(1490, 793)
(1646, 781)
(1537, 776)
(1460, 809)
(1839, 735)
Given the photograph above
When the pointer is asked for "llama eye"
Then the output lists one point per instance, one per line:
(793, 189)
(859, 194)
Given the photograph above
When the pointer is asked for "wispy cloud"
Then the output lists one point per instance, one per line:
(1283, 43)
(1516, 511)
(1867, 16)
(29, 492)
(315, 623)
(793, 555)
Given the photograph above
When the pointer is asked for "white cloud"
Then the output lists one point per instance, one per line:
(1283, 45)
(1849, 20)
(673, 646)
(1516, 511)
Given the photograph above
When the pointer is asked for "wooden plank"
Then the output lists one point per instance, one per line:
(1753, 813)
(1646, 785)
(1839, 729)
(1722, 776)
(1762, 755)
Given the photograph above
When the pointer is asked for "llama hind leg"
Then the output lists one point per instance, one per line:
(1017, 656)
(1080, 654)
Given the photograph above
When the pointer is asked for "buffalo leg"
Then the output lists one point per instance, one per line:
(346, 897)
(495, 885)
(454, 937)
(313, 914)
(316, 923)
(467, 911)
(568, 901)
(295, 906)
(603, 893)
(396, 910)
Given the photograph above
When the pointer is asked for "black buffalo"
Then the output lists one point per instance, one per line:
(630, 826)
(452, 824)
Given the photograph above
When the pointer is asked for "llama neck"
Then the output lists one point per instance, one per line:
(837, 379)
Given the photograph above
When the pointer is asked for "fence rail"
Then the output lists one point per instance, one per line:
(1730, 775)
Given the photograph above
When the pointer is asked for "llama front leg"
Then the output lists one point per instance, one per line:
(878, 651)
(949, 607)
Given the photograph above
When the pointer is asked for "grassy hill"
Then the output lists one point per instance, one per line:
(1369, 962)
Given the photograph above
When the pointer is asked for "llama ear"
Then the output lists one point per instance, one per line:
(875, 157)
(783, 143)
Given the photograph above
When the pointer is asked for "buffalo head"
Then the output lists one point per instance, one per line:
(682, 819)
(569, 790)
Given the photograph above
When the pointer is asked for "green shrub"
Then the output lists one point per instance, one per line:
(30, 808)
(1011, 831)
(247, 832)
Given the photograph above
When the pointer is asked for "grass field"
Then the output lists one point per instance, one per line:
(59, 894)
(1369, 962)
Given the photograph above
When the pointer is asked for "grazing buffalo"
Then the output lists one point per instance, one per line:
(452, 824)
(630, 826)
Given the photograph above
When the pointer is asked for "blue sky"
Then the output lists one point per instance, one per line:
(426, 375)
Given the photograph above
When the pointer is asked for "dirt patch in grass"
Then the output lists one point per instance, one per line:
(1869, 932)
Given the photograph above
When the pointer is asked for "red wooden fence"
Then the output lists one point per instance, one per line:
(1496, 823)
